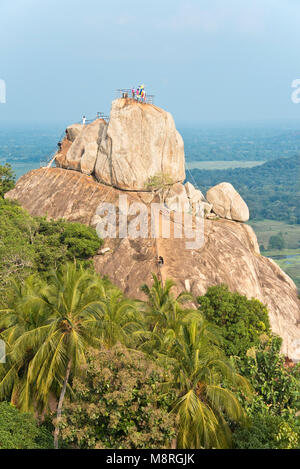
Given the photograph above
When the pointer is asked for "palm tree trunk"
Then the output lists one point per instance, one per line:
(60, 404)
(174, 443)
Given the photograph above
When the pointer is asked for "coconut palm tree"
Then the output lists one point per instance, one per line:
(203, 377)
(119, 318)
(164, 314)
(70, 317)
(22, 317)
(23, 314)
(207, 383)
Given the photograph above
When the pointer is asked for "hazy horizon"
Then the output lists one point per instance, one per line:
(206, 61)
(276, 124)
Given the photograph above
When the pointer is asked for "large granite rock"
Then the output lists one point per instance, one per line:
(82, 153)
(229, 255)
(73, 131)
(193, 194)
(139, 142)
(177, 199)
(227, 202)
(197, 200)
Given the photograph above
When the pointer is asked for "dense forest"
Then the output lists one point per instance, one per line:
(260, 142)
(87, 367)
(272, 190)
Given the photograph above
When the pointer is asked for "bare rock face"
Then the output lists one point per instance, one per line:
(229, 255)
(252, 239)
(73, 131)
(139, 142)
(190, 189)
(227, 202)
(197, 200)
(82, 153)
(177, 198)
(193, 194)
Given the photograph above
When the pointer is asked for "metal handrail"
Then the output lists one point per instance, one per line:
(49, 157)
(121, 93)
(127, 93)
(46, 160)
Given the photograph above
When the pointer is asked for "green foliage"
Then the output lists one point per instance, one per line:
(120, 398)
(267, 432)
(164, 315)
(264, 229)
(277, 387)
(119, 402)
(291, 266)
(16, 250)
(7, 179)
(245, 328)
(270, 190)
(235, 144)
(288, 258)
(120, 318)
(207, 383)
(276, 242)
(20, 431)
(160, 183)
(48, 327)
(241, 321)
(273, 410)
(56, 242)
(30, 244)
(201, 373)
(82, 241)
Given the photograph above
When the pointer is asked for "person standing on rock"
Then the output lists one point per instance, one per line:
(83, 120)
(160, 261)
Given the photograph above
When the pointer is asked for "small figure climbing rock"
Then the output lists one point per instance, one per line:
(160, 261)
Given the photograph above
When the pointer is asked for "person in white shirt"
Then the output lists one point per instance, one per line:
(83, 120)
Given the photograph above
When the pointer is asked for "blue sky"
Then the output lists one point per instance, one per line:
(206, 61)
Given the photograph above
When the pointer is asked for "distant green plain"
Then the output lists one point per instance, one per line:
(210, 165)
(289, 260)
(291, 266)
(266, 228)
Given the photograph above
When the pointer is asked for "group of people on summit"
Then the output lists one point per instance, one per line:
(139, 93)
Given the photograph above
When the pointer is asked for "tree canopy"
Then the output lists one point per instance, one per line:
(20, 431)
(241, 321)
(7, 179)
(34, 244)
(119, 402)
(271, 190)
